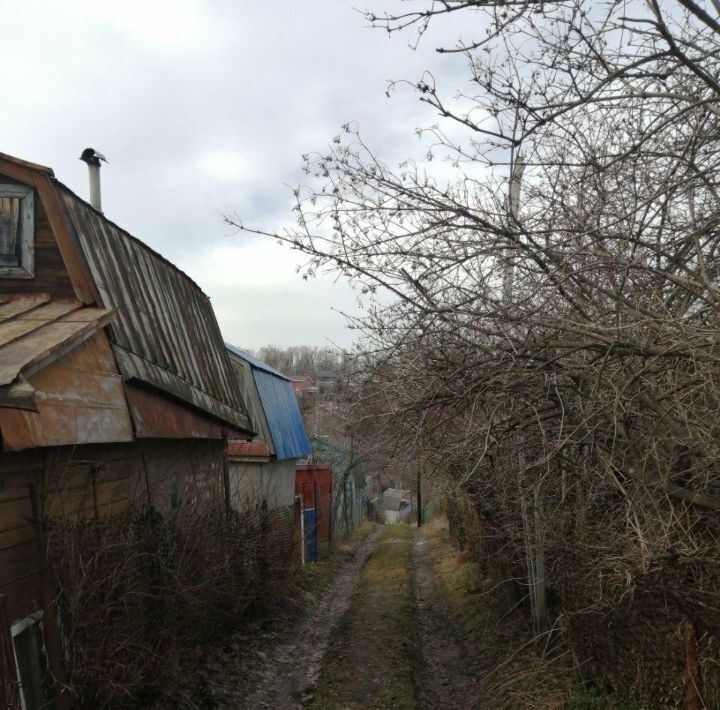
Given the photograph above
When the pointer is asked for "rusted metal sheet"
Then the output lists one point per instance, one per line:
(19, 395)
(248, 450)
(135, 368)
(166, 332)
(314, 485)
(79, 399)
(154, 415)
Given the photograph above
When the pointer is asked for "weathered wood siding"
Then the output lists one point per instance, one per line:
(51, 275)
(165, 333)
(88, 481)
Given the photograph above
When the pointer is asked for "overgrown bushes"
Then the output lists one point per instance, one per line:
(140, 593)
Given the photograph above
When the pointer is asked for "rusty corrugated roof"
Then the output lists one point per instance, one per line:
(165, 333)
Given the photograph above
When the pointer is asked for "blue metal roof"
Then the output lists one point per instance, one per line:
(255, 362)
(280, 408)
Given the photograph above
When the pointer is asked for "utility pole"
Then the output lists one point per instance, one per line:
(419, 495)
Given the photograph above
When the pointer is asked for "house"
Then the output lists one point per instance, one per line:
(396, 505)
(115, 389)
(264, 468)
(303, 384)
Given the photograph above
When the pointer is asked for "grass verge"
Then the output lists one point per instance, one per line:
(369, 662)
(519, 673)
(314, 578)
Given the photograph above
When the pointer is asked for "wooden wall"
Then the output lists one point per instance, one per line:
(51, 276)
(88, 481)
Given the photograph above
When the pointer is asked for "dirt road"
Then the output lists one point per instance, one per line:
(449, 673)
(283, 675)
(382, 636)
(399, 646)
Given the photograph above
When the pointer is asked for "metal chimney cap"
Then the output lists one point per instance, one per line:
(92, 156)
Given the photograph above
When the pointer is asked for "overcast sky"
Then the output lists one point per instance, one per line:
(204, 109)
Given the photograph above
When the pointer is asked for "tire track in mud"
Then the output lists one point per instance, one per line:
(446, 675)
(283, 676)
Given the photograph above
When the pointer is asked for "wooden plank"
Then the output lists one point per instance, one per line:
(29, 321)
(57, 309)
(16, 171)
(15, 514)
(17, 536)
(22, 596)
(72, 255)
(14, 486)
(24, 463)
(48, 341)
(11, 161)
(18, 562)
(88, 315)
(13, 306)
(57, 508)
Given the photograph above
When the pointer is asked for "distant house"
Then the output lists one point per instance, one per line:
(326, 382)
(303, 384)
(396, 505)
(264, 468)
(115, 388)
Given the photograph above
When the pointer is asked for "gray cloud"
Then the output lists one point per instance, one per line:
(204, 109)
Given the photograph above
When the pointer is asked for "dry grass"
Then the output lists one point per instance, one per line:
(369, 663)
(521, 671)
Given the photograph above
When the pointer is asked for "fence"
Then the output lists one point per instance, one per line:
(331, 510)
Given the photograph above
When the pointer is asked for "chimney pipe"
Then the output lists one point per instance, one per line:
(92, 157)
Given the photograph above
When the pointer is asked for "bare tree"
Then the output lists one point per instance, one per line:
(556, 361)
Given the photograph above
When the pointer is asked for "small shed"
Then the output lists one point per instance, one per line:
(396, 505)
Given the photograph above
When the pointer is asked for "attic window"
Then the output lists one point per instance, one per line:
(17, 237)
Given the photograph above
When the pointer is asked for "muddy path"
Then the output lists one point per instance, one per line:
(284, 672)
(448, 675)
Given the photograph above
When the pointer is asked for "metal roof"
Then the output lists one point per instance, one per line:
(279, 408)
(165, 333)
(257, 363)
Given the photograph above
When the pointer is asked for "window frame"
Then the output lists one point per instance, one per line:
(16, 629)
(26, 268)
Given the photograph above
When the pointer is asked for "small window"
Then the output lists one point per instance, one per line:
(17, 238)
(31, 663)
